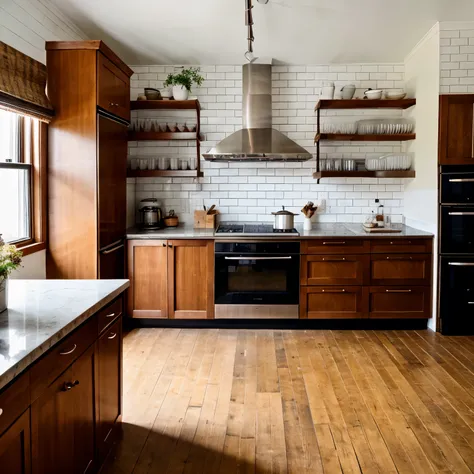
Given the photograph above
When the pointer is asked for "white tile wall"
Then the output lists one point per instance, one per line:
(457, 60)
(250, 191)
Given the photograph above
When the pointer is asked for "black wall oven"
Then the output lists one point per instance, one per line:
(257, 279)
(456, 246)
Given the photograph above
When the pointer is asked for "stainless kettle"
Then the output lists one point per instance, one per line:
(151, 215)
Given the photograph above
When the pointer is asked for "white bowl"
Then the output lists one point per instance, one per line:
(396, 94)
(374, 94)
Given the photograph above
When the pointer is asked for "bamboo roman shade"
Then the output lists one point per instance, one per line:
(23, 84)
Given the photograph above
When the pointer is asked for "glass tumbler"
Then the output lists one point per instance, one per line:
(174, 163)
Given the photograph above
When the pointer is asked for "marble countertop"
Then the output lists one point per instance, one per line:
(318, 230)
(42, 312)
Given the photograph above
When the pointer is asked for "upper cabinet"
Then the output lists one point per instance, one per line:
(456, 135)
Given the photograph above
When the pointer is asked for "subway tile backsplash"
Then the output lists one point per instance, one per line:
(251, 191)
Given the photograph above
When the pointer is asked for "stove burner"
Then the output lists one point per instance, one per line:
(252, 229)
(285, 231)
(230, 229)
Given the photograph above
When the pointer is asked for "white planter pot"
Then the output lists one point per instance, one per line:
(307, 223)
(3, 294)
(180, 93)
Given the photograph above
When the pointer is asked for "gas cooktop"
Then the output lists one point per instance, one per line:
(252, 229)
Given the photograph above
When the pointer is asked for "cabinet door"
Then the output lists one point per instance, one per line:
(401, 269)
(15, 455)
(113, 91)
(456, 137)
(333, 302)
(147, 272)
(112, 180)
(109, 385)
(191, 277)
(335, 270)
(335, 246)
(400, 302)
(112, 262)
(62, 421)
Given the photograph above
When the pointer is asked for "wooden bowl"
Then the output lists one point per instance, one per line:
(171, 221)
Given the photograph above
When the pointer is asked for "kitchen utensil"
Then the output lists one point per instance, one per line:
(309, 209)
(347, 92)
(372, 94)
(395, 94)
(284, 220)
(209, 211)
(152, 94)
(327, 90)
(150, 213)
(171, 220)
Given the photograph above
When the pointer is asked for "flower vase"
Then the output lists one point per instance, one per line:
(307, 223)
(180, 93)
(3, 294)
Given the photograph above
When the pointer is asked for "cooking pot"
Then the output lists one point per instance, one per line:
(284, 220)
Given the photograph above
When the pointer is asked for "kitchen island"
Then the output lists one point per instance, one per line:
(60, 374)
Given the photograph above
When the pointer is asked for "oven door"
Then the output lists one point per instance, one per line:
(457, 229)
(457, 188)
(456, 302)
(261, 279)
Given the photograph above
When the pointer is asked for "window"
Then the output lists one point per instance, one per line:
(22, 181)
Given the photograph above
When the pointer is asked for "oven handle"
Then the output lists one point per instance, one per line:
(258, 258)
(461, 264)
(462, 180)
(461, 213)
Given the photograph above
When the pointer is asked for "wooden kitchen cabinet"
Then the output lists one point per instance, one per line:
(337, 246)
(456, 135)
(62, 421)
(335, 270)
(15, 447)
(400, 302)
(191, 278)
(401, 269)
(333, 302)
(109, 383)
(148, 275)
(171, 278)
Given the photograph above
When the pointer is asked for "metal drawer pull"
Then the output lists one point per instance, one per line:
(399, 258)
(111, 315)
(398, 243)
(106, 252)
(258, 258)
(334, 243)
(334, 259)
(113, 336)
(461, 213)
(469, 302)
(1, 411)
(69, 352)
(70, 385)
(398, 291)
(461, 264)
(462, 180)
(334, 291)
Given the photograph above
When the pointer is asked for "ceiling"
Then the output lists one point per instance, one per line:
(290, 31)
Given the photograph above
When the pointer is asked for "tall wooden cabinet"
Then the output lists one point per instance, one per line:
(171, 279)
(88, 86)
(456, 129)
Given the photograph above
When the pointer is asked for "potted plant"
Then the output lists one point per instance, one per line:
(183, 81)
(10, 259)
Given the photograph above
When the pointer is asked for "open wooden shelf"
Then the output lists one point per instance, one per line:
(364, 174)
(396, 137)
(164, 173)
(138, 136)
(365, 104)
(165, 105)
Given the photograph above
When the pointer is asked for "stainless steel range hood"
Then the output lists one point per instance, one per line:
(257, 141)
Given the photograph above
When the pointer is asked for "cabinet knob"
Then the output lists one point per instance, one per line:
(1, 411)
(68, 352)
(170, 246)
(164, 245)
(70, 385)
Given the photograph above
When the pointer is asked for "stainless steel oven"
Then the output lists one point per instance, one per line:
(257, 279)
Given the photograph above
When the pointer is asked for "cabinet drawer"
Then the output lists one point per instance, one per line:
(333, 302)
(61, 356)
(335, 246)
(401, 245)
(113, 88)
(335, 270)
(110, 313)
(400, 269)
(14, 400)
(400, 302)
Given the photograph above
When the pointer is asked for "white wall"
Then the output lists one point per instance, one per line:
(251, 191)
(421, 194)
(26, 25)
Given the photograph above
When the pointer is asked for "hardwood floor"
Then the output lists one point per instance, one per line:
(241, 401)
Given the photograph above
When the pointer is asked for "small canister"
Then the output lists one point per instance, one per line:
(327, 90)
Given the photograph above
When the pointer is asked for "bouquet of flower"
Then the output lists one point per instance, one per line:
(10, 259)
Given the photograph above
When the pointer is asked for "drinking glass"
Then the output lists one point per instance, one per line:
(174, 163)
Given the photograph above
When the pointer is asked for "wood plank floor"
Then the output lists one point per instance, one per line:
(241, 401)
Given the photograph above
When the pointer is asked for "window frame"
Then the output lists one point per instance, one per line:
(33, 156)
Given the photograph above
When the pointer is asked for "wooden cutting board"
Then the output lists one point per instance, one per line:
(380, 230)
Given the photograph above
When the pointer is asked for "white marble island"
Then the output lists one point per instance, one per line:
(42, 312)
